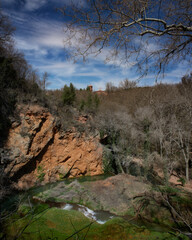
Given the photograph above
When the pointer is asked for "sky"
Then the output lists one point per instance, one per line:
(40, 36)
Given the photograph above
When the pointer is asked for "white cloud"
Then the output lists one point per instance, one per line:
(38, 35)
(175, 75)
(51, 40)
(60, 69)
(80, 74)
(47, 34)
(28, 46)
(31, 5)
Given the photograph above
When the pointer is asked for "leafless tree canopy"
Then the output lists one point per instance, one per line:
(6, 31)
(145, 33)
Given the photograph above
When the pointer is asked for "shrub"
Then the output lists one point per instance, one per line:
(69, 95)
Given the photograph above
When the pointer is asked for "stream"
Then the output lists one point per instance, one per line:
(100, 217)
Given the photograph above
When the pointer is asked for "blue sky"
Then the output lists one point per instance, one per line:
(40, 35)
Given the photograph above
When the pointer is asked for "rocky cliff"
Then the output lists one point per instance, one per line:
(38, 151)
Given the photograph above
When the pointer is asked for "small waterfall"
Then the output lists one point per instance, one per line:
(100, 217)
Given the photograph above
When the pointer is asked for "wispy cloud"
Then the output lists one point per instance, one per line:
(41, 40)
(38, 33)
(33, 5)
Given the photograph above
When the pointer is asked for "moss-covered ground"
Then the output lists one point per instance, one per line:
(53, 223)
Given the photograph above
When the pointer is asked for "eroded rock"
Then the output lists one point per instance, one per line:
(40, 152)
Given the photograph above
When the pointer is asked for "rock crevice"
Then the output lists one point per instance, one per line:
(40, 152)
(35, 131)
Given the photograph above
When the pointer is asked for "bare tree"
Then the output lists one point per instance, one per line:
(6, 32)
(109, 87)
(180, 214)
(44, 81)
(127, 84)
(148, 34)
(181, 137)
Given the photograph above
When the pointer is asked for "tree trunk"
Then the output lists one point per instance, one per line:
(187, 170)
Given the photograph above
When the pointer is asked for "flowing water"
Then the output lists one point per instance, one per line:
(99, 216)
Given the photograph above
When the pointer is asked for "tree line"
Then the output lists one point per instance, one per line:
(151, 123)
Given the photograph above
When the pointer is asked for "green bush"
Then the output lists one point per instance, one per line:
(87, 101)
(68, 96)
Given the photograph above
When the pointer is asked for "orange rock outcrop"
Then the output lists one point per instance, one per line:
(39, 151)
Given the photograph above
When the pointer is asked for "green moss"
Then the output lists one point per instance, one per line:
(41, 173)
(24, 209)
(167, 189)
(130, 212)
(40, 208)
(60, 224)
(61, 176)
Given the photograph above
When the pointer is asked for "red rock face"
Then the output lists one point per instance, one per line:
(39, 152)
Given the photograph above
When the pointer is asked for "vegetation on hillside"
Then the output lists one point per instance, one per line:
(152, 124)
